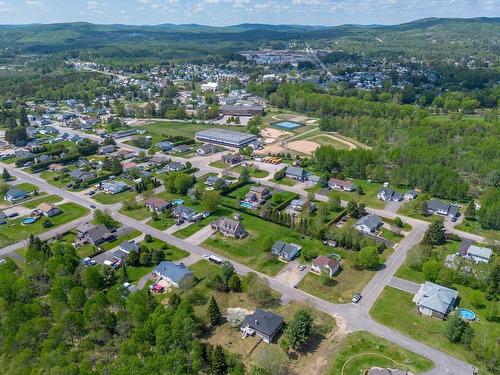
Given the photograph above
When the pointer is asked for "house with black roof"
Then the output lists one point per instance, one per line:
(264, 324)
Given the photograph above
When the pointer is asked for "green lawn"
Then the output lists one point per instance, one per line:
(219, 164)
(140, 213)
(395, 309)
(136, 272)
(254, 173)
(328, 141)
(110, 245)
(362, 350)
(162, 223)
(473, 226)
(255, 249)
(284, 181)
(410, 209)
(105, 198)
(14, 231)
(47, 199)
(171, 252)
(406, 227)
(56, 178)
(391, 236)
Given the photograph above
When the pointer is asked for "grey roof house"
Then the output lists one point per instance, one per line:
(264, 323)
(296, 173)
(435, 300)
(206, 149)
(229, 227)
(79, 175)
(436, 206)
(184, 213)
(386, 194)
(285, 251)
(177, 275)
(369, 224)
(14, 195)
(165, 145)
(94, 235)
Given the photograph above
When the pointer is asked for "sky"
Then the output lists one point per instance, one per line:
(231, 12)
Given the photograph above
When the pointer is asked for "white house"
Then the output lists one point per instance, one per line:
(479, 254)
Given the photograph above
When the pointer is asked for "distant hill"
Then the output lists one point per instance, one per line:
(191, 40)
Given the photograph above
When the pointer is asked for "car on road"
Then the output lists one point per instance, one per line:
(302, 267)
(356, 297)
(92, 206)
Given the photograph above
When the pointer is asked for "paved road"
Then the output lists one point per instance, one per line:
(356, 316)
(404, 285)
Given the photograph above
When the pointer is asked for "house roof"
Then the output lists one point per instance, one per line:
(298, 202)
(336, 181)
(98, 232)
(184, 211)
(229, 225)
(264, 321)
(207, 147)
(258, 189)
(412, 193)
(173, 271)
(156, 202)
(435, 297)
(370, 221)
(482, 252)
(16, 193)
(129, 246)
(46, 207)
(285, 250)
(323, 261)
(295, 171)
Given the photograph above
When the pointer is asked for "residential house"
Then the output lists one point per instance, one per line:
(174, 166)
(479, 254)
(158, 160)
(42, 159)
(265, 324)
(157, 205)
(285, 251)
(325, 264)
(15, 195)
(296, 173)
(79, 176)
(185, 213)
(180, 149)
(206, 149)
(232, 159)
(436, 206)
(435, 300)
(335, 183)
(260, 192)
(386, 195)
(92, 234)
(410, 195)
(59, 168)
(165, 146)
(125, 154)
(114, 187)
(176, 275)
(229, 227)
(369, 224)
(48, 209)
(299, 204)
(108, 149)
(128, 166)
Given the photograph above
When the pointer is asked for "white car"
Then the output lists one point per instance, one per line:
(206, 257)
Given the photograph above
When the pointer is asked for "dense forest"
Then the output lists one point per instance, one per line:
(451, 156)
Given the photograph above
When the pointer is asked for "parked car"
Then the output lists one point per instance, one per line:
(92, 206)
(302, 267)
(356, 297)
(87, 262)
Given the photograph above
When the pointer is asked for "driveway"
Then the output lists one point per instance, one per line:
(404, 285)
(174, 228)
(393, 206)
(291, 274)
(200, 236)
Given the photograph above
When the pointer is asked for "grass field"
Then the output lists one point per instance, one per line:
(362, 350)
(285, 181)
(171, 252)
(328, 141)
(162, 223)
(140, 213)
(395, 309)
(14, 231)
(56, 179)
(47, 199)
(105, 198)
(473, 226)
(254, 173)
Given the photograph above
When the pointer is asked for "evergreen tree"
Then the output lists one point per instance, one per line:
(218, 362)
(299, 329)
(124, 274)
(470, 211)
(435, 234)
(6, 175)
(174, 300)
(214, 313)
(234, 283)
